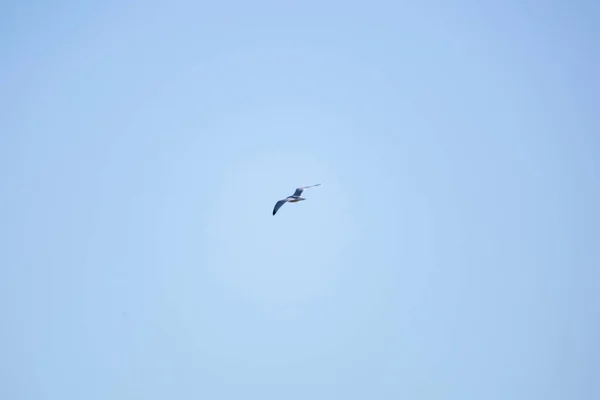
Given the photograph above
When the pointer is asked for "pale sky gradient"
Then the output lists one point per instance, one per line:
(452, 251)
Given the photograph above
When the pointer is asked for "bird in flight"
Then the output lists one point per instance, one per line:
(296, 197)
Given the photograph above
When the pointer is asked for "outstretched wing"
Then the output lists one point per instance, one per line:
(299, 191)
(278, 206)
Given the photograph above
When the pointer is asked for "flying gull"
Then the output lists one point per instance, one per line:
(296, 197)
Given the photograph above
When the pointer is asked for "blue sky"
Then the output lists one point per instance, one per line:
(450, 253)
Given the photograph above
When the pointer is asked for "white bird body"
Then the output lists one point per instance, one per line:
(295, 198)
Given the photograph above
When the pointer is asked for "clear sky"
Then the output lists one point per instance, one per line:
(451, 252)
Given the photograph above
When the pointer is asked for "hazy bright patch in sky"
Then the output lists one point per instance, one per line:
(451, 252)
